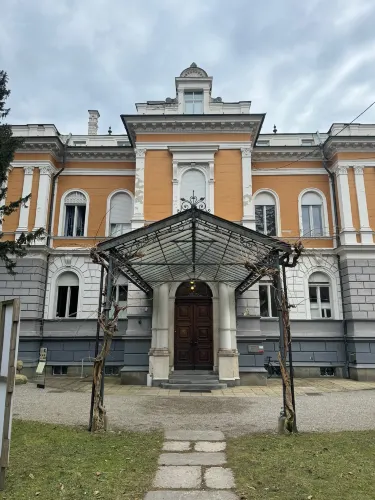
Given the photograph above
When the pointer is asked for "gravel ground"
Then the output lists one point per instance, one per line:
(234, 416)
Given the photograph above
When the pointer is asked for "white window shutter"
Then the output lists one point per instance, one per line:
(193, 180)
(121, 209)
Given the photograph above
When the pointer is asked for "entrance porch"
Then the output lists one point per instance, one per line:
(193, 266)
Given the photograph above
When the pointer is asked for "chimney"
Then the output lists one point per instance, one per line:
(93, 121)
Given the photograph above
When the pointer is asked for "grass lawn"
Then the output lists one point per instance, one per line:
(51, 462)
(334, 466)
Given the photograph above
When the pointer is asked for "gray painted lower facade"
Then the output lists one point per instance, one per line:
(345, 345)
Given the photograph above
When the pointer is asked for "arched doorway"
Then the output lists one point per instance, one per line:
(193, 335)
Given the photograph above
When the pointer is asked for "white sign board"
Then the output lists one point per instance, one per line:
(9, 334)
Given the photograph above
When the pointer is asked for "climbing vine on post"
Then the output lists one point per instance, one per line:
(108, 320)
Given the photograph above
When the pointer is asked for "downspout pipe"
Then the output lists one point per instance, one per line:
(49, 229)
(338, 244)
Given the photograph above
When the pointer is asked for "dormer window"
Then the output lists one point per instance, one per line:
(193, 103)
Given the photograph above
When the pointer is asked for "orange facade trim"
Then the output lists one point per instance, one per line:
(98, 188)
(228, 185)
(167, 138)
(158, 190)
(369, 174)
(15, 185)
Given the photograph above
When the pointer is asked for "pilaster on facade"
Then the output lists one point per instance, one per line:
(248, 218)
(3, 199)
(348, 232)
(138, 215)
(42, 207)
(365, 229)
(23, 221)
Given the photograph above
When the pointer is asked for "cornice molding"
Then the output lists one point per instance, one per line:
(194, 146)
(45, 167)
(354, 163)
(265, 153)
(51, 145)
(338, 144)
(88, 154)
(187, 124)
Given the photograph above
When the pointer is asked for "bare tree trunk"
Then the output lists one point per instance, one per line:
(282, 355)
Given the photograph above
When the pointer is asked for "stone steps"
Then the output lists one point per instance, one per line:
(193, 381)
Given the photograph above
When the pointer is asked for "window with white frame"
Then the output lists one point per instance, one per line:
(67, 295)
(320, 296)
(120, 214)
(312, 214)
(267, 300)
(193, 102)
(120, 297)
(193, 180)
(265, 214)
(75, 214)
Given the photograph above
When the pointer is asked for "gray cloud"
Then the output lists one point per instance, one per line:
(305, 64)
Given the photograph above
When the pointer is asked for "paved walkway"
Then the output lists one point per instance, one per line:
(303, 387)
(192, 467)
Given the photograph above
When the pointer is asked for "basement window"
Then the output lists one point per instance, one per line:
(111, 370)
(327, 371)
(59, 370)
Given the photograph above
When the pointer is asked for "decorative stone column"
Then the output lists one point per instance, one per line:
(138, 219)
(227, 356)
(42, 206)
(365, 229)
(348, 233)
(23, 222)
(248, 218)
(160, 353)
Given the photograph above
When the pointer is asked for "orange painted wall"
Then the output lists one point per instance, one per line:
(158, 190)
(369, 173)
(34, 157)
(98, 188)
(228, 184)
(353, 198)
(354, 156)
(76, 242)
(15, 184)
(34, 198)
(167, 138)
(288, 188)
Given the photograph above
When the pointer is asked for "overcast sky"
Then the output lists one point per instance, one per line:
(306, 63)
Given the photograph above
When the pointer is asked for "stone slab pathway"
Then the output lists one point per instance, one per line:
(192, 467)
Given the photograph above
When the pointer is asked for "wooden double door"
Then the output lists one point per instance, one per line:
(193, 340)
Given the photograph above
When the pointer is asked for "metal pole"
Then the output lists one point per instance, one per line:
(281, 325)
(290, 352)
(100, 304)
(107, 309)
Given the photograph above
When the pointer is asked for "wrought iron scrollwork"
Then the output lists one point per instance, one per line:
(193, 202)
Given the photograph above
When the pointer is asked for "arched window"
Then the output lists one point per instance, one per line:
(320, 296)
(67, 295)
(193, 180)
(74, 214)
(312, 214)
(120, 214)
(265, 214)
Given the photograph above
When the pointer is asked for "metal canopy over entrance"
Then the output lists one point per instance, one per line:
(194, 245)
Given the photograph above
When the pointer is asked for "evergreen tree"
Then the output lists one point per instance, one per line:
(9, 250)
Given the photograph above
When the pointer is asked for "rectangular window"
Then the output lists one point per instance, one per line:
(320, 304)
(59, 370)
(79, 143)
(265, 219)
(263, 143)
(193, 103)
(120, 297)
(312, 224)
(75, 220)
(267, 301)
(67, 301)
(307, 142)
(111, 370)
(119, 229)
